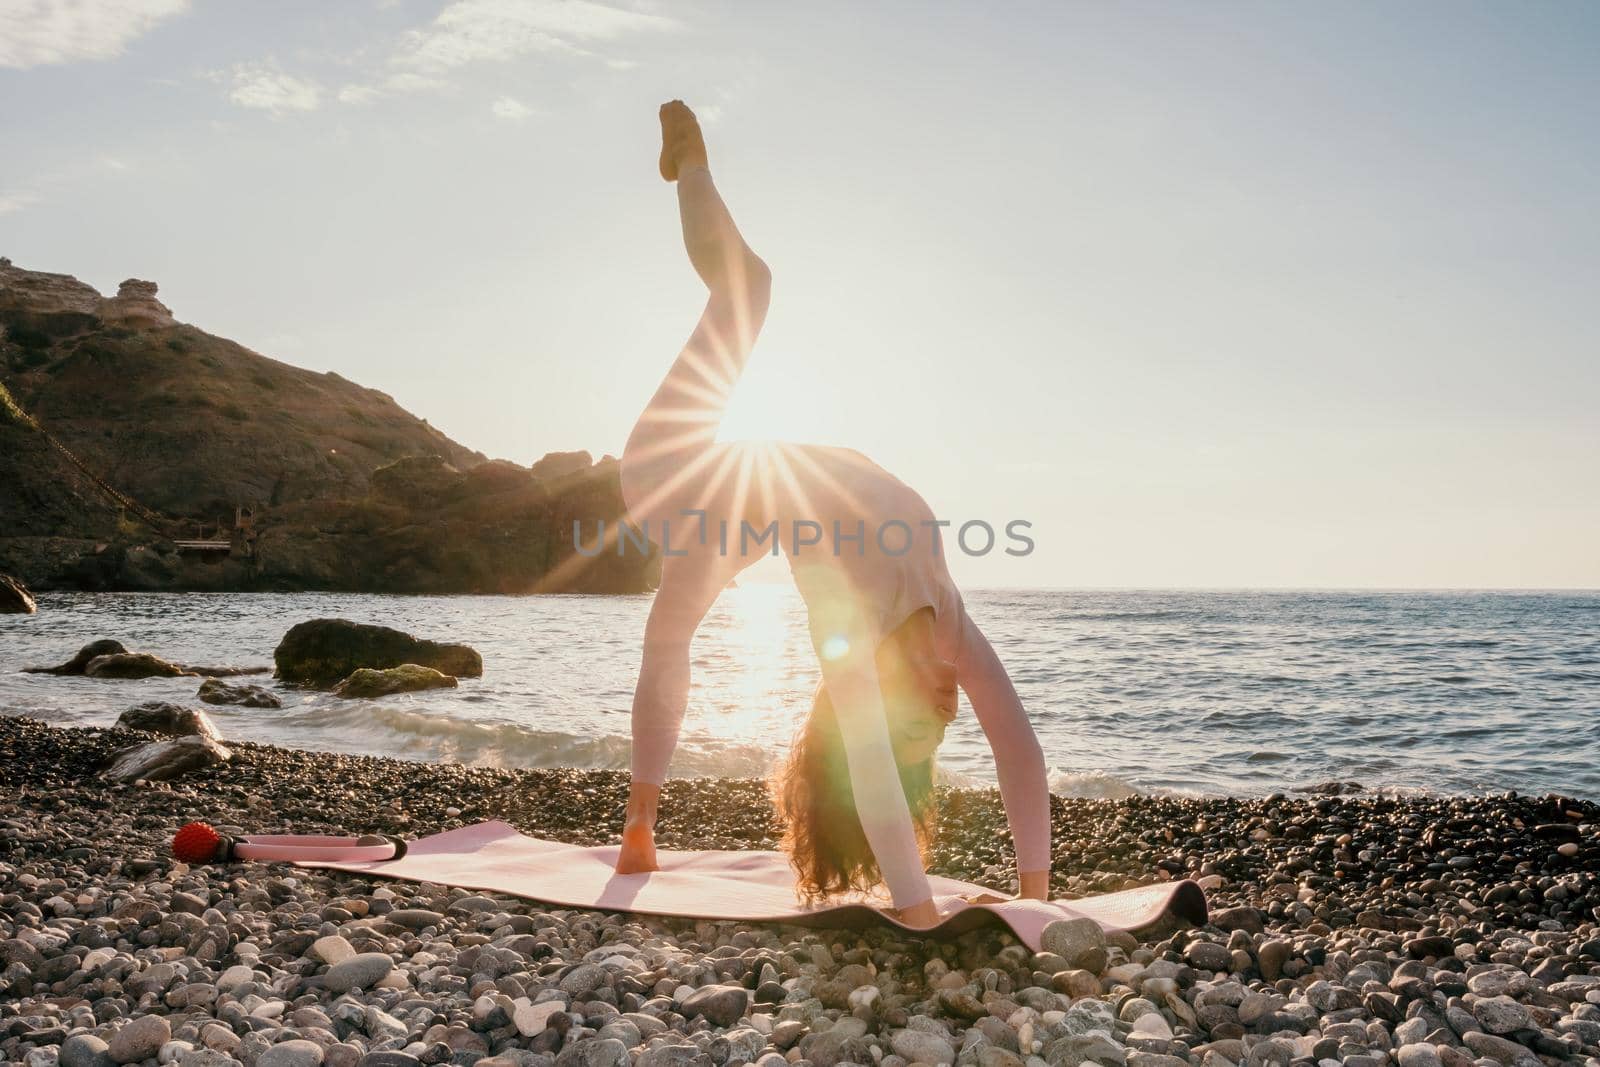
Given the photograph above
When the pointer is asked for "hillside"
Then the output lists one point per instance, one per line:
(123, 431)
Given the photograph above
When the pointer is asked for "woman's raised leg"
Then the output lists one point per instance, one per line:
(670, 463)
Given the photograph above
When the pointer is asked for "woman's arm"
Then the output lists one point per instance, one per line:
(852, 681)
(1018, 759)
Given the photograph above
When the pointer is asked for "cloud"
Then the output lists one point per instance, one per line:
(472, 31)
(14, 200)
(464, 32)
(36, 33)
(264, 87)
(389, 85)
(510, 108)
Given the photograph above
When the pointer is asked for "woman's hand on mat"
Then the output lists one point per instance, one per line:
(919, 916)
(985, 898)
(638, 853)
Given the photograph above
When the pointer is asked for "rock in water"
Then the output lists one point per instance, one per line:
(324, 651)
(406, 678)
(133, 665)
(161, 760)
(245, 696)
(15, 598)
(87, 654)
(174, 720)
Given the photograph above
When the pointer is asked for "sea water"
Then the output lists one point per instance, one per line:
(1129, 691)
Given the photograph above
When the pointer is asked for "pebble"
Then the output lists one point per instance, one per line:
(918, 1046)
(722, 1005)
(295, 1053)
(85, 1050)
(139, 1039)
(359, 971)
(1081, 943)
(1344, 933)
(1500, 1014)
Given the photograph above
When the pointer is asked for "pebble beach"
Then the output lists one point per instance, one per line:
(1346, 928)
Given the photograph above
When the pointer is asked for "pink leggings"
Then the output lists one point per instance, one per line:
(672, 463)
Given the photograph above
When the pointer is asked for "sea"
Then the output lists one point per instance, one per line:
(1130, 691)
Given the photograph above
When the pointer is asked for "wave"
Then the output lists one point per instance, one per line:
(1090, 785)
(435, 736)
(438, 737)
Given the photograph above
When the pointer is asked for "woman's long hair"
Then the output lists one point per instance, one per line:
(822, 831)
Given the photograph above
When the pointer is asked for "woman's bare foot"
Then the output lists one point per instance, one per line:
(682, 145)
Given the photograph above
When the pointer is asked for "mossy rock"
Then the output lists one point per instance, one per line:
(321, 652)
(406, 678)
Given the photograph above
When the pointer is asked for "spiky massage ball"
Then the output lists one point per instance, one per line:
(196, 843)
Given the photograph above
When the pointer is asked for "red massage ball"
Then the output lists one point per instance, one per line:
(196, 843)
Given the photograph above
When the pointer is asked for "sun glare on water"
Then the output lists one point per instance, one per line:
(765, 675)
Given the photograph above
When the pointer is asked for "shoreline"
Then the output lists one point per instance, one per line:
(1358, 929)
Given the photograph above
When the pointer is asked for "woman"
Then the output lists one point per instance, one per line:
(889, 628)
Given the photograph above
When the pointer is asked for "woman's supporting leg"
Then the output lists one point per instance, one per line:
(689, 586)
(672, 464)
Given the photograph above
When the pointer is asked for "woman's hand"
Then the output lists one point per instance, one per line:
(919, 916)
(985, 898)
(638, 853)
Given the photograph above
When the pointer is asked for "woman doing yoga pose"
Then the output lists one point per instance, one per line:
(889, 628)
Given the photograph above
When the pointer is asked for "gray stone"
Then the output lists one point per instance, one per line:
(84, 1050)
(213, 691)
(1498, 1049)
(1500, 1015)
(1418, 1054)
(722, 1005)
(604, 1052)
(1208, 956)
(206, 1057)
(583, 979)
(295, 1053)
(1074, 1049)
(414, 918)
(674, 1056)
(994, 1056)
(1080, 942)
(162, 760)
(830, 1048)
(361, 971)
(173, 720)
(140, 1039)
(1271, 957)
(917, 1046)
(390, 1059)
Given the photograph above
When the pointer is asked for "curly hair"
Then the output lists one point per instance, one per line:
(814, 800)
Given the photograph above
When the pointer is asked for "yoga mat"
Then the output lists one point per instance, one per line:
(743, 886)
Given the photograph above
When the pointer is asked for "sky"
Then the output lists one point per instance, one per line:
(1220, 295)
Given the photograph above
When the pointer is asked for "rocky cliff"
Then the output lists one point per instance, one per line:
(123, 432)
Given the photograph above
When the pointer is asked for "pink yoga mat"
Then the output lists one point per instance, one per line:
(744, 886)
